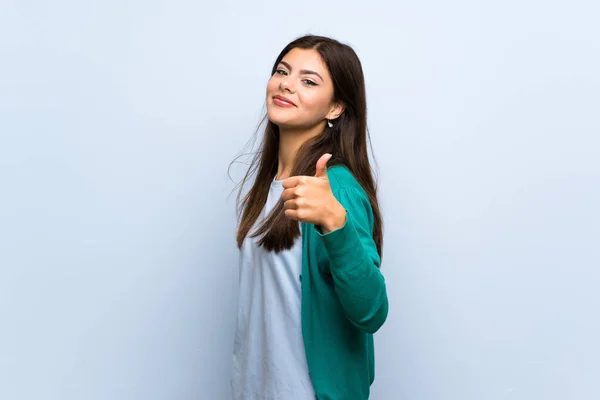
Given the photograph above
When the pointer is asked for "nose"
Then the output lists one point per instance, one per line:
(285, 85)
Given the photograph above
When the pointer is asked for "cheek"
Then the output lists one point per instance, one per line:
(315, 102)
(272, 85)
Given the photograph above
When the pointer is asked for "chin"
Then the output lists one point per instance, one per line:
(280, 120)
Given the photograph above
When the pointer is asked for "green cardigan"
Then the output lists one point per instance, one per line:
(344, 299)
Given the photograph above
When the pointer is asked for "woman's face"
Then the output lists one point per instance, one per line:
(300, 93)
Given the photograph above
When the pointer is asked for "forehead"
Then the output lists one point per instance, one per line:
(307, 59)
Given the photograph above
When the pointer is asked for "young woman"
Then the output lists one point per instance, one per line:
(310, 236)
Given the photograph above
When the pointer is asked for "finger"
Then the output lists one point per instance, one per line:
(294, 181)
(291, 214)
(322, 166)
(290, 182)
(290, 205)
(288, 194)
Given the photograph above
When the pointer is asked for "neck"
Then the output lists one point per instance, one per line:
(290, 141)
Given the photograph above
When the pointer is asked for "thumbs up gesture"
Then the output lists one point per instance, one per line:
(310, 199)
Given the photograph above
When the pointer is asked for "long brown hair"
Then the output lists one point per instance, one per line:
(346, 141)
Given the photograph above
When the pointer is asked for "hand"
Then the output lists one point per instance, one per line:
(310, 199)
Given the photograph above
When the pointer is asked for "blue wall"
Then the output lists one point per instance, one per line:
(118, 121)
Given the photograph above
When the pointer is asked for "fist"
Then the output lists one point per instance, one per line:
(310, 199)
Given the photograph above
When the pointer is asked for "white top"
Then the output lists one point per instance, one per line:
(269, 362)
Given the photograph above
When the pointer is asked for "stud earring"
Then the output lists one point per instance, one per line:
(329, 124)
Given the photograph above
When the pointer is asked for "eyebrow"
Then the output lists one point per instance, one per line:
(304, 71)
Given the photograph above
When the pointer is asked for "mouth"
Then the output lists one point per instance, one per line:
(283, 102)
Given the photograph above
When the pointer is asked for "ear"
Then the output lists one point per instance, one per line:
(336, 110)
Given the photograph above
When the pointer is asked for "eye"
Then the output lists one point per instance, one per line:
(309, 82)
(280, 72)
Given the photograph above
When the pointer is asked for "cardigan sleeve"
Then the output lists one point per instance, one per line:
(354, 263)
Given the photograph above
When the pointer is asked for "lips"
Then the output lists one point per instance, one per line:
(283, 102)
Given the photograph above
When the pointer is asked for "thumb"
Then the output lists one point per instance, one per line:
(322, 166)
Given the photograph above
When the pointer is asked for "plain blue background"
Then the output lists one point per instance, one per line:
(118, 121)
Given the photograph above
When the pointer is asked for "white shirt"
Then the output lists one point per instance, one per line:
(269, 362)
